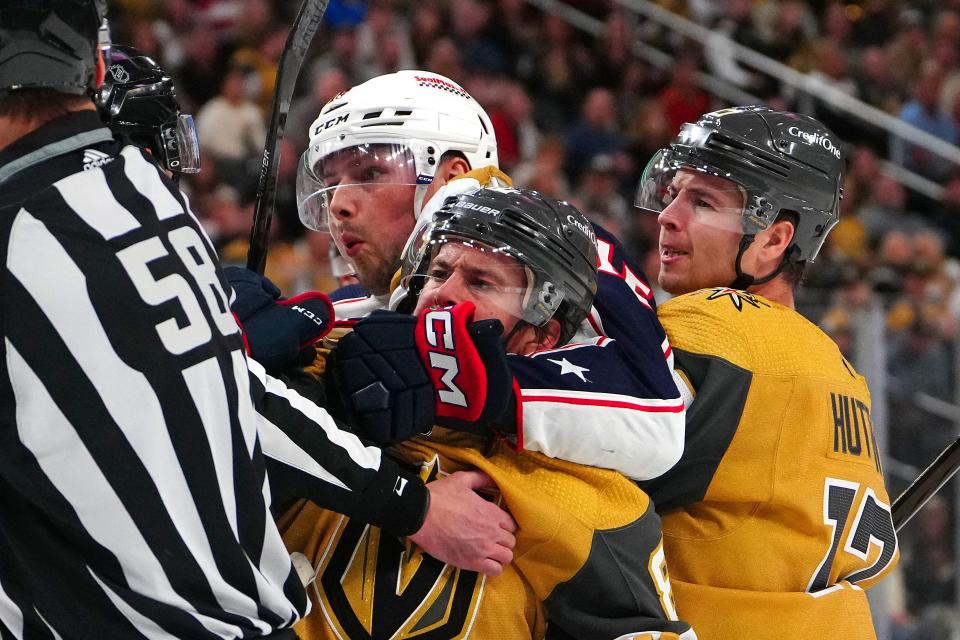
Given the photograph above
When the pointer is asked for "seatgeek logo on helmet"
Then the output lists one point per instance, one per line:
(815, 138)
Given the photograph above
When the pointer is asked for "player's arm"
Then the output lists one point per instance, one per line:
(626, 414)
(592, 405)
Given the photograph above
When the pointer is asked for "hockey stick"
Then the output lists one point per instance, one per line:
(294, 51)
(926, 485)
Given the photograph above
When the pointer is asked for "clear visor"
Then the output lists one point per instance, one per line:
(698, 194)
(182, 145)
(493, 278)
(327, 170)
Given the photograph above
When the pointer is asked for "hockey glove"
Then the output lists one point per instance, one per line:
(398, 375)
(277, 332)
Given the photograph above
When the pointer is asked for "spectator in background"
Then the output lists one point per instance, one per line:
(340, 53)
(929, 567)
(232, 128)
(445, 58)
(595, 133)
(199, 76)
(923, 112)
(470, 28)
(682, 100)
(381, 25)
(562, 69)
(598, 197)
(946, 214)
(875, 81)
(511, 113)
(545, 172)
(885, 210)
(427, 24)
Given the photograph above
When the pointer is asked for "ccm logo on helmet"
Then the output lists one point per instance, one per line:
(332, 122)
(582, 225)
(815, 138)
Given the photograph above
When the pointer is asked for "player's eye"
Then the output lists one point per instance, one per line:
(438, 273)
(372, 173)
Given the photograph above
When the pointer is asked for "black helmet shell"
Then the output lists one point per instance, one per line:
(49, 44)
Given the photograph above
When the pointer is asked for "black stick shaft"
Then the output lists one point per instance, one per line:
(294, 51)
(926, 485)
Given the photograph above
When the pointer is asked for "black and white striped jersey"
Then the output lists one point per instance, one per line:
(135, 436)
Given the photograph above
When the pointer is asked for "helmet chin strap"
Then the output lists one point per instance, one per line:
(745, 280)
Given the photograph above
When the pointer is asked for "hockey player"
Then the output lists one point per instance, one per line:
(588, 561)
(780, 465)
(384, 155)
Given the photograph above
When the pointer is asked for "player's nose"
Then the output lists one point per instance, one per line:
(344, 202)
(452, 291)
(674, 216)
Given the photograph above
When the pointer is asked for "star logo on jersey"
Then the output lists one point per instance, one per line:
(568, 367)
(737, 297)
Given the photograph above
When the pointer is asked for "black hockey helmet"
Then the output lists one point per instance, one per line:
(552, 240)
(138, 99)
(782, 161)
(50, 44)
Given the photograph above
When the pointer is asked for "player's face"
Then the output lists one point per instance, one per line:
(371, 209)
(371, 214)
(699, 232)
(494, 282)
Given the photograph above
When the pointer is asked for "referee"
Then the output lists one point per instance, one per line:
(132, 427)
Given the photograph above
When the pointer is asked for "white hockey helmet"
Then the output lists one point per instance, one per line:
(392, 129)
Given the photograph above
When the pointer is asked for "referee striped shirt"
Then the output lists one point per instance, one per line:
(135, 437)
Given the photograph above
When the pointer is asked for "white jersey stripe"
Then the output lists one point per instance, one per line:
(56, 636)
(137, 411)
(10, 615)
(47, 434)
(150, 629)
(366, 457)
(145, 178)
(248, 416)
(203, 380)
(277, 445)
(558, 430)
(88, 194)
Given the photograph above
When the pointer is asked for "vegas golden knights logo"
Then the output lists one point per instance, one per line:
(370, 585)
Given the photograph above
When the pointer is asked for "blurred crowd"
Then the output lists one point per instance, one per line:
(578, 117)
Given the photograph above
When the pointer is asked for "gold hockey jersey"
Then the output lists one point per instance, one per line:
(776, 517)
(588, 561)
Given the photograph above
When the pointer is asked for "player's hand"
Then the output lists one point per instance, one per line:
(397, 375)
(277, 332)
(467, 364)
(464, 530)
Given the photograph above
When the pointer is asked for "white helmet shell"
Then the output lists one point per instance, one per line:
(411, 105)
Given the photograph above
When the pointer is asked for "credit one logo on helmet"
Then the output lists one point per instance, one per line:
(582, 225)
(815, 138)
